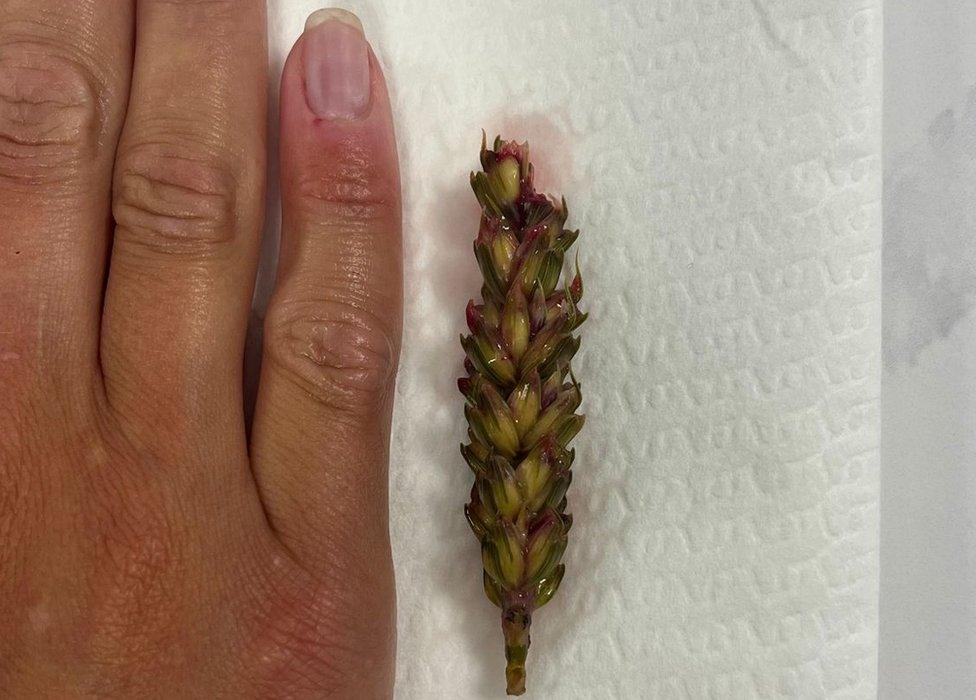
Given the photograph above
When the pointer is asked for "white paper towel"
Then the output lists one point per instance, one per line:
(722, 160)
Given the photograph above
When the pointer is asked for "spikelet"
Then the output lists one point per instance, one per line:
(520, 394)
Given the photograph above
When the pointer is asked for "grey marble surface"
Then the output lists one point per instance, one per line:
(928, 487)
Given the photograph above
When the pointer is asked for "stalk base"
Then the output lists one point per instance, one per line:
(515, 626)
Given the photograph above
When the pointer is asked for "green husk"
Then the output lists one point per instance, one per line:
(521, 396)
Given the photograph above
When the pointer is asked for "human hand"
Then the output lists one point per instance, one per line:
(150, 547)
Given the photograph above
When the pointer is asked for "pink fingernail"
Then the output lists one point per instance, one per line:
(336, 64)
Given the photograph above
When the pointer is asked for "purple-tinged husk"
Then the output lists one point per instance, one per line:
(521, 395)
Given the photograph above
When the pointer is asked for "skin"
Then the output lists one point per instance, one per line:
(151, 545)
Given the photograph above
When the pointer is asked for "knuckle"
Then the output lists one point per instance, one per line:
(351, 191)
(51, 117)
(175, 199)
(341, 354)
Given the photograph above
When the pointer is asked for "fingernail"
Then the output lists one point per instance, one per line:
(336, 64)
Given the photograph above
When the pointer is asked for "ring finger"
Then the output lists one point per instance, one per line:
(188, 208)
